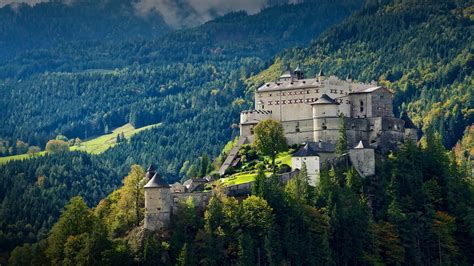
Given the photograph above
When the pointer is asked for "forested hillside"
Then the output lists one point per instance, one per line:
(190, 81)
(416, 210)
(50, 24)
(423, 51)
(195, 73)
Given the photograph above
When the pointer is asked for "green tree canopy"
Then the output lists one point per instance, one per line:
(269, 139)
(55, 145)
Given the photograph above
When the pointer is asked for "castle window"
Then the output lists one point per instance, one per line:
(251, 131)
(342, 92)
(158, 209)
(307, 92)
(270, 95)
(324, 127)
(317, 90)
(361, 109)
(381, 96)
(263, 106)
(269, 102)
(361, 103)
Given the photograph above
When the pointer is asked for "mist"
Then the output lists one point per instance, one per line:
(183, 13)
(188, 13)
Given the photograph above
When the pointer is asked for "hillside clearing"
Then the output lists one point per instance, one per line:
(94, 145)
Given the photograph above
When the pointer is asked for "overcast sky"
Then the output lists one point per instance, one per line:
(185, 13)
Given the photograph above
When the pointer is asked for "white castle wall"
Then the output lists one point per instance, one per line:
(312, 165)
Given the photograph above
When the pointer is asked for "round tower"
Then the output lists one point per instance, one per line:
(157, 201)
(325, 118)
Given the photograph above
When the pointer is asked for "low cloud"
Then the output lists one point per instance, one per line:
(16, 2)
(187, 13)
(181, 13)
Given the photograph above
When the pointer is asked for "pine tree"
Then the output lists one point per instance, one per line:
(185, 256)
(152, 251)
(75, 220)
(298, 188)
(204, 165)
(132, 200)
(260, 183)
(341, 145)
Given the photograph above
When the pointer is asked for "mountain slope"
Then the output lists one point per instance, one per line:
(190, 81)
(81, 92)
(422, 51)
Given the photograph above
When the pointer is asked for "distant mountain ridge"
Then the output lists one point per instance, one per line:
(49, 24)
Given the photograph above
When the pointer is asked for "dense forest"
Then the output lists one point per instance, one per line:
(54, 23)
(422, 51)
(189, 80)
(416, 210)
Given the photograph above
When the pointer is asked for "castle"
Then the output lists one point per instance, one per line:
(310, 111)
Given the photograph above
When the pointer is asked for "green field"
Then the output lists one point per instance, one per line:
(17, 157)
(239, 178)
(102, 143)
(94, 145)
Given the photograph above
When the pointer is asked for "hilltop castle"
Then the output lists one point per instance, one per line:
(310, 111)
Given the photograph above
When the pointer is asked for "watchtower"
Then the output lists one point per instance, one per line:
(157, 201)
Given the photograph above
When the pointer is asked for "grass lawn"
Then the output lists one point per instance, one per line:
(240, 178)
(245, 177)
(283, 158)
(94, 145)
